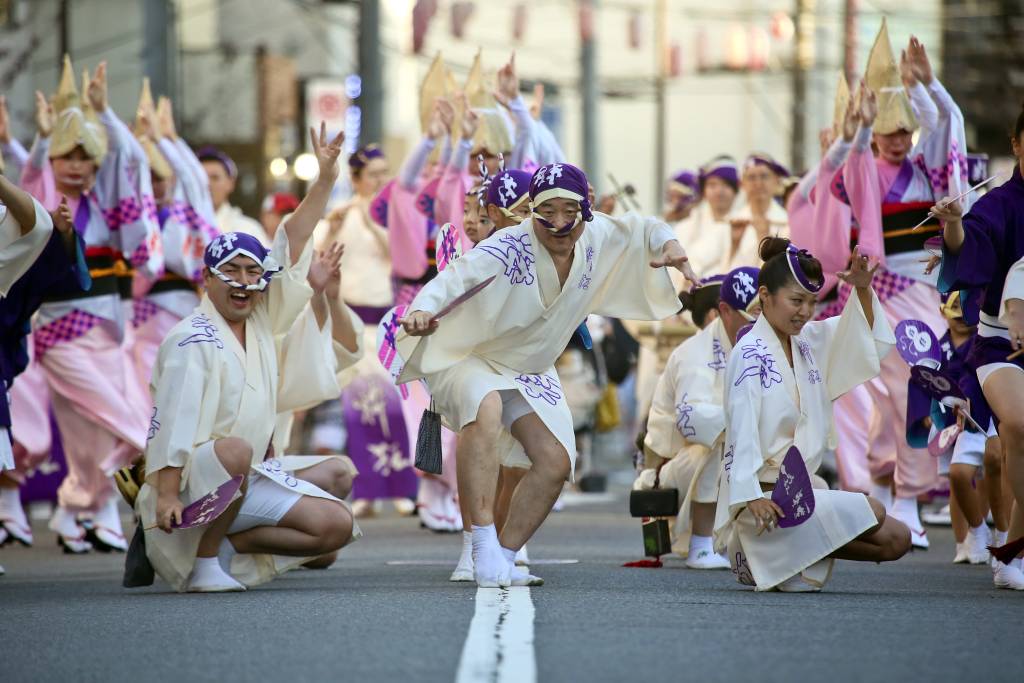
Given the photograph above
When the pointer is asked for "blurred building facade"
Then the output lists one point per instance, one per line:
(239, 70)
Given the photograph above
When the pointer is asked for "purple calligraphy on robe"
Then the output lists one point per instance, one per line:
(762, 367)
(543, 387)
(516, 253)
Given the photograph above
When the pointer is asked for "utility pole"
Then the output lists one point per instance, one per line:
(371, 73)
(158, 24)
(590, 90)
(660, 78)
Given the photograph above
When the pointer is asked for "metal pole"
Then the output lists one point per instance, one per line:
(589, 88)
(801, 61)
(158, 30)
(371, 72)
(661, 74)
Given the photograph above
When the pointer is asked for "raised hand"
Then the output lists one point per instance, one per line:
(470, 119)
(907, 70)
(326, 152)
(97, 89)
(147, 118)
(868, 105)
(323, 267)
(62, 219)
(44, 115)
(537, 106)
(5, 121)
(441, 118)
(861, 271)
(851, 119)
(919, 62)
(165, 119)
(508, 82)
(333, 290)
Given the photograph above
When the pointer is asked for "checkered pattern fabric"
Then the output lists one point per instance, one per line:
(886, 284)
(64, 329)
(129, 210)
(142, 310)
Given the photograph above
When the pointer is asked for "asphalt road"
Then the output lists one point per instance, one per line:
(67, 618)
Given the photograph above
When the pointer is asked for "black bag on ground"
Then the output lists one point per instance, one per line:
(138, 572)
(654, 503)
(428, 442)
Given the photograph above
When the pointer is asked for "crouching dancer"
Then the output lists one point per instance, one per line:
(215, 387)
(490, 363)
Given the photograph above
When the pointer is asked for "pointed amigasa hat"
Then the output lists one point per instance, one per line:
(842, 101)
(883, 77)
(434, 85)
(75, 122)
(157, 161)
(495, 133)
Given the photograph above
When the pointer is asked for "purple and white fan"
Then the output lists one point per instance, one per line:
(448, 247)
(917, 344)
(944, 389)
(793, 492)
(387, 348)
(211, 506)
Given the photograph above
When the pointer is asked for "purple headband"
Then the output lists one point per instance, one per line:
(723, 168)
(560, 180)
(765, 160)
(361, 157)
(739, 290)
(231, 244)
(509, 188)
(686, 182)
(793, 259)
(209, 153)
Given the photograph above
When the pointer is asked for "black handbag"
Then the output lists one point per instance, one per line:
(138, 572)
(656, 502)
(428, 442)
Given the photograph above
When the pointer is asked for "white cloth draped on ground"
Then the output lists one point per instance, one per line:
(686, 424)
(508, 337)
(771, 407)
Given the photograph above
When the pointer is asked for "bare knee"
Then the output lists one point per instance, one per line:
(1011, 431)
(234, 454)
(896, 542)
(552, 463)
(335, 530)
(339, 478)
(993, 459)
(488, 415)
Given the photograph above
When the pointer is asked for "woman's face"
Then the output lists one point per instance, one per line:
(162, 187)
(369, 181)
(760, 182)
(74, 172)
(788, 309)
(719, 195)
(1018, 146)
(893, 147)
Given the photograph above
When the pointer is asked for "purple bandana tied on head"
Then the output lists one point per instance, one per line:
(232, 244)
(687, 184)
(560, 181)
(724, 168)
(739, 290)
(508, 190)
(765, 160)
(213, 154)
(793, 259)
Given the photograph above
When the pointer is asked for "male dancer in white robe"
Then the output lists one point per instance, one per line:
(491, 363)
(215, 393)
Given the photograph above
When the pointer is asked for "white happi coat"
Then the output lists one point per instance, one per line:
(770, 407)
(18, 252)
(686, 424)
(508, 337)
(206, 386)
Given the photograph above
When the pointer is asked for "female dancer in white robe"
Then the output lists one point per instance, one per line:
(781, 381)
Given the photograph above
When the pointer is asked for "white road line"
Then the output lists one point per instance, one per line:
(499, 646)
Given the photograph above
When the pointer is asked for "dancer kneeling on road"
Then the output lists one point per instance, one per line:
(215, 386)
(490, 363)
(781, 380)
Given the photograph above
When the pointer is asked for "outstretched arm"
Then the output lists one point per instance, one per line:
(300, 226)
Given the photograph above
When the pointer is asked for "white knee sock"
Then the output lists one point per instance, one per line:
(882, 493)
(700, 543)
(905, 509)
(10, 505)
(999, 537)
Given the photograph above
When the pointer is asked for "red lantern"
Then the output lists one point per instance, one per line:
(635, 30)
(675, 60)
(760, 47)
(586, 21)
(461, 11)
(422, 13)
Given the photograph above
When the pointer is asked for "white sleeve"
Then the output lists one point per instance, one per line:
(18, 252)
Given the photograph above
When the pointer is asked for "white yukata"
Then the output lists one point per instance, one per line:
(18, 252)
(508, 337)
(686, 424)
(206, 386)
(770, 407)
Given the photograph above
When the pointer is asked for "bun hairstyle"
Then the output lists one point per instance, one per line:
(1019, 127)
(784, 265)
(701, 301)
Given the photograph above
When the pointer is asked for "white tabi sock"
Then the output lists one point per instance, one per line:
(207, 576)
(700, 543)
(999, 537)
(883, 494)
(489, 564)
(905, 510)
(226, 554)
